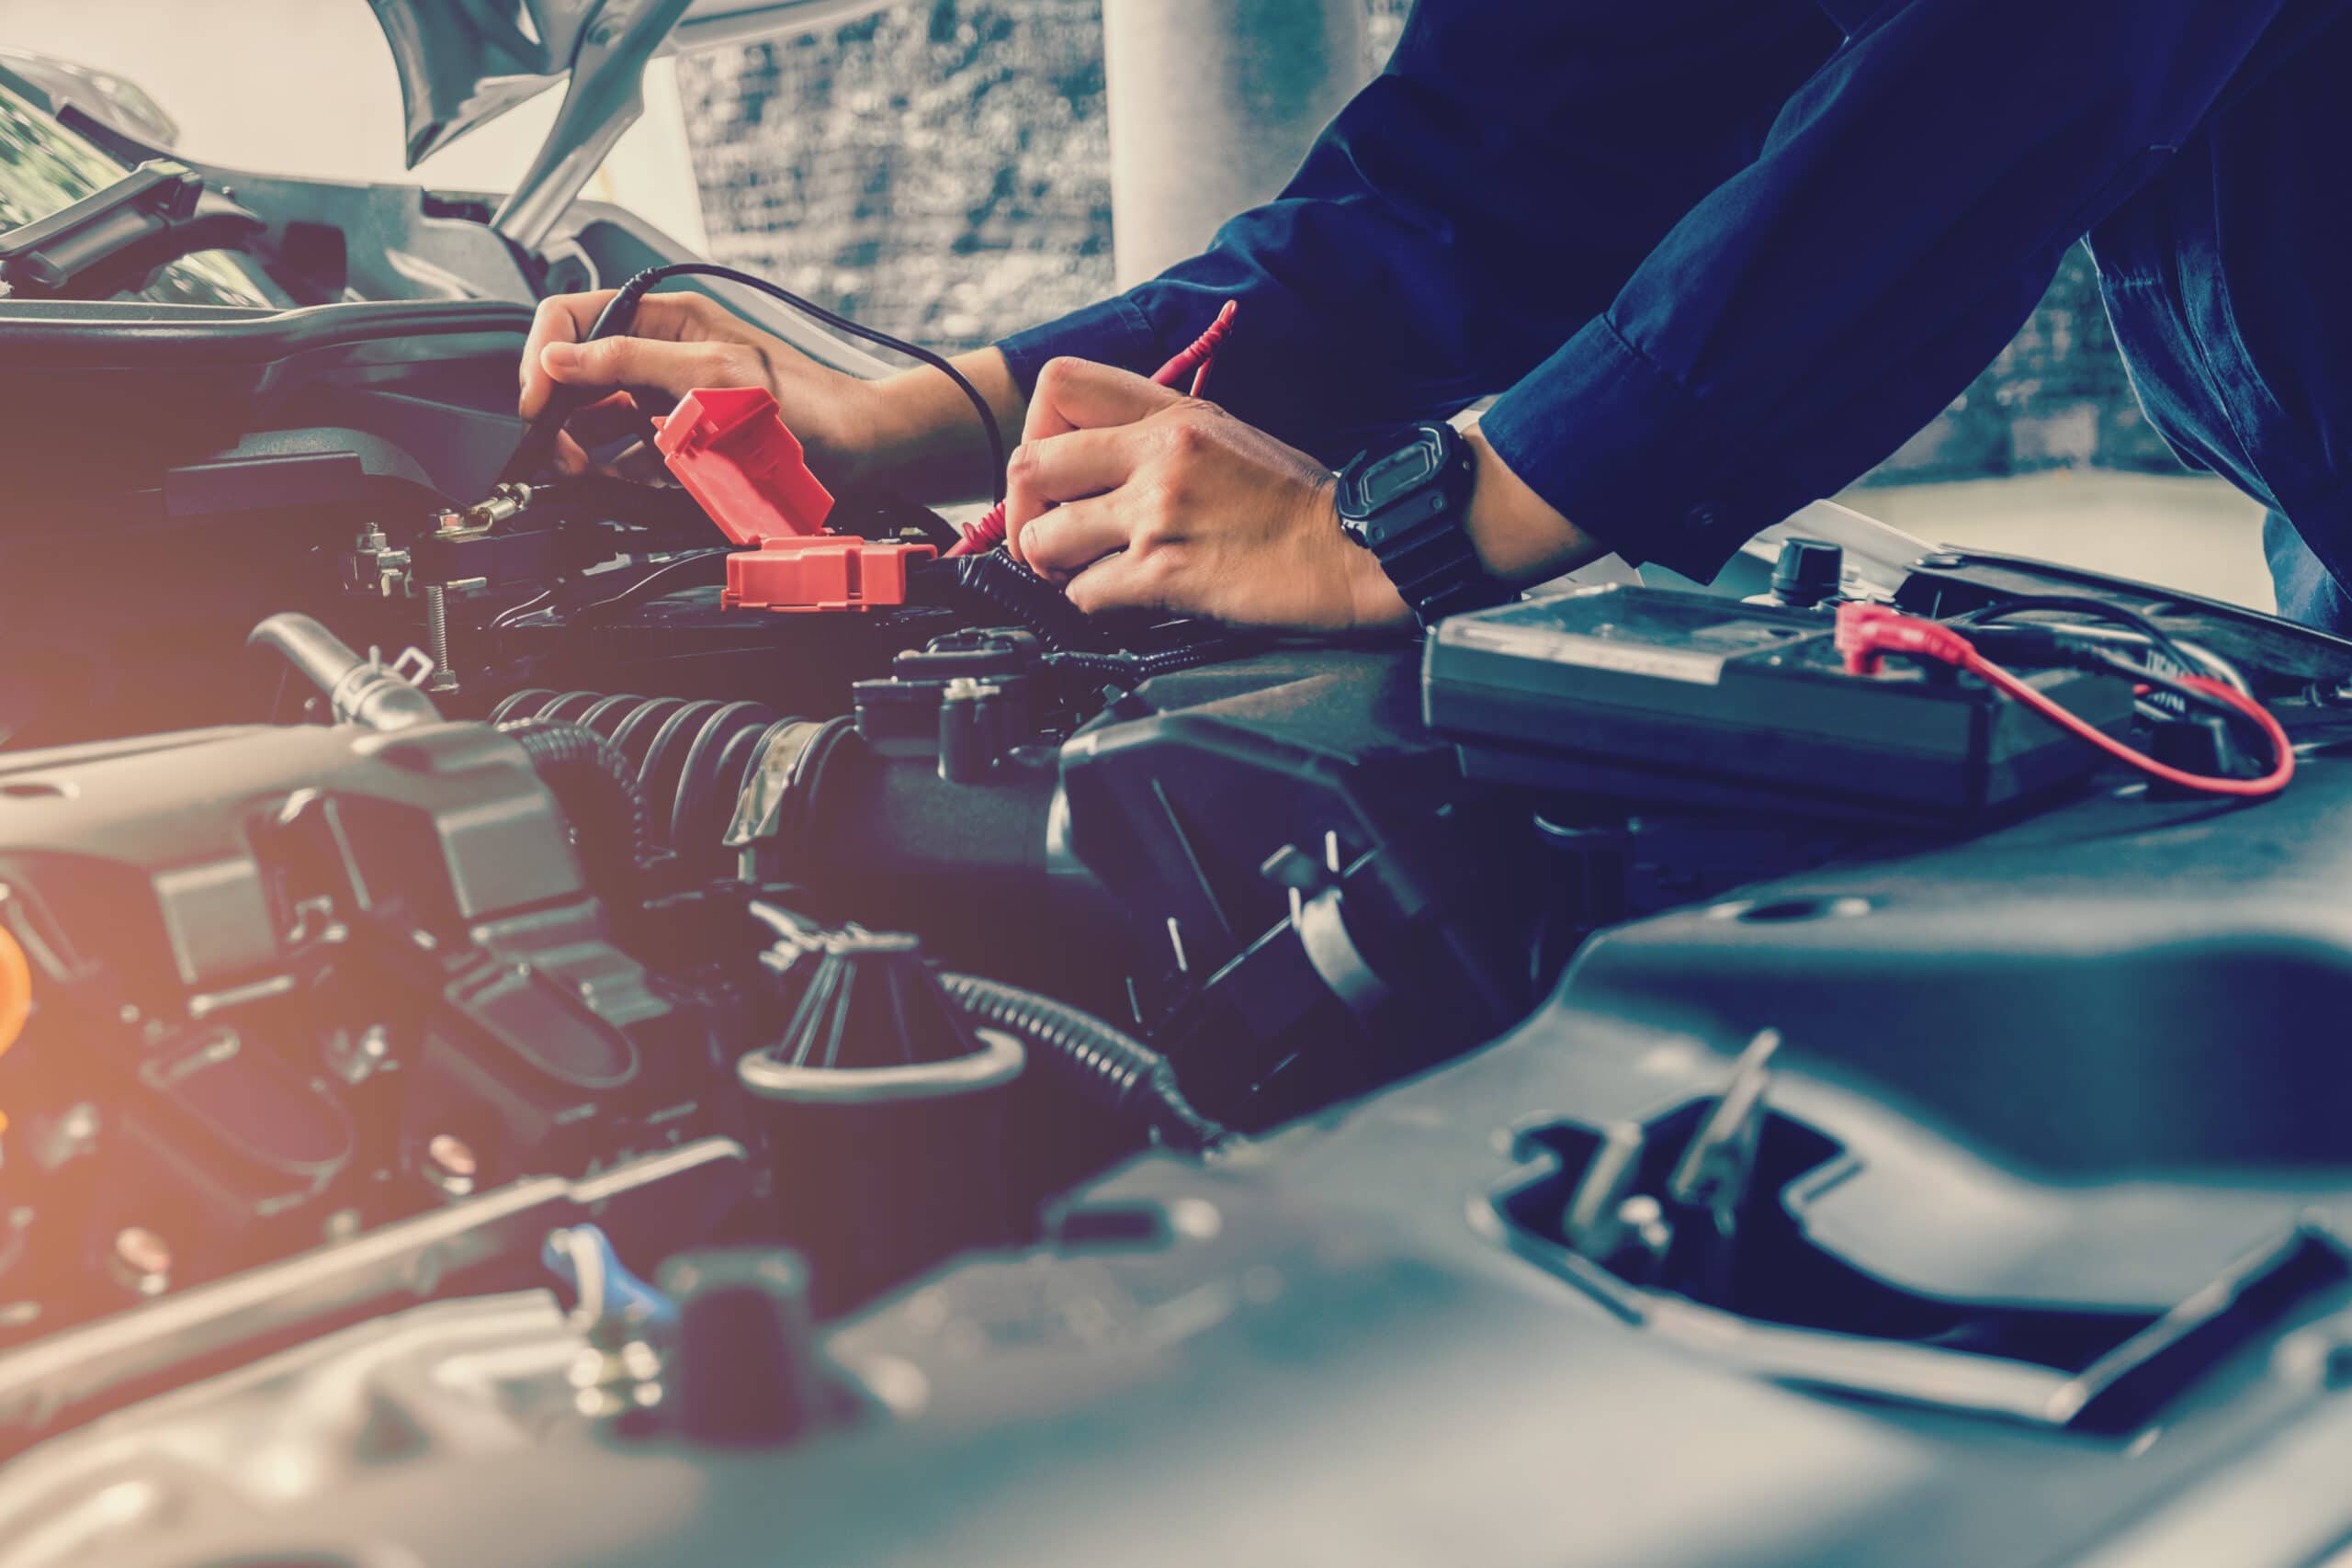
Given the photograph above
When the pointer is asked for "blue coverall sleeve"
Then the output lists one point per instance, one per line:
(1469, 211)
(1905, 216)
(1723, 257)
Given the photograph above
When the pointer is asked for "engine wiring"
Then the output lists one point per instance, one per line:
(1869, 633)
(633, 590)
(1197, 360)
(664, 572)
(2081, 604)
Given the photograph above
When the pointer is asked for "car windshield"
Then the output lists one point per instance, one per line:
(44, 167)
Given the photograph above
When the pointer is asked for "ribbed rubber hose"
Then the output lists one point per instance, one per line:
(595, 786)
(1111, 1067)
(994, 585)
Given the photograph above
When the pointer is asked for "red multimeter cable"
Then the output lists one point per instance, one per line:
(1866, 633)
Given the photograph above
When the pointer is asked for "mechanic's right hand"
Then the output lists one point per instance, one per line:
(677, 342)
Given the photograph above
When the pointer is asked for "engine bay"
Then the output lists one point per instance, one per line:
(507, 1014)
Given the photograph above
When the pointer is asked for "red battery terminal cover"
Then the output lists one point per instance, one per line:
(730, 446)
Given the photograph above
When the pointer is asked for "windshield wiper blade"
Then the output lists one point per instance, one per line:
(117, 238)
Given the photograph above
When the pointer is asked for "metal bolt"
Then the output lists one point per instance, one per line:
(73, 1135)
(436, 640)
(142, 1259)
(1644, 1222)
(450, 1165)
(617, 1381)
(354, 1059)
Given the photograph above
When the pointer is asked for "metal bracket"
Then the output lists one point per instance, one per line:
(413, 666)
(605, 97)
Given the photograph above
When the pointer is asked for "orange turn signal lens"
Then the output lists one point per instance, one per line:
(16, 990)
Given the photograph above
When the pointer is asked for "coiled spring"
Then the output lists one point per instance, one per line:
(1119, 1072)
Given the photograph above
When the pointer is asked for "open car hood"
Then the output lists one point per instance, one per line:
(465, 62)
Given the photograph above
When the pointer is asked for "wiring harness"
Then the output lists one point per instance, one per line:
(1867, 633)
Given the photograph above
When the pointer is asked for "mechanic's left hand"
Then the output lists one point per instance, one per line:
(1139, 497)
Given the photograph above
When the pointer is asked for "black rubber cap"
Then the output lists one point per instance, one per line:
(1808, 571)
(746, 1370)
(867, 1000)
(2195, 743)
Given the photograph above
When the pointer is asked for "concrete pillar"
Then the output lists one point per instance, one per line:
(1213, 103)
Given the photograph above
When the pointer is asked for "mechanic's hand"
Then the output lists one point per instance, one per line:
(677, 342)
(1140, 498)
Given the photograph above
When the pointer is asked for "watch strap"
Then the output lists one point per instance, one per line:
(1420, 538)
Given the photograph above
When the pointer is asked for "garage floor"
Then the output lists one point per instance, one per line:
(2191, 533)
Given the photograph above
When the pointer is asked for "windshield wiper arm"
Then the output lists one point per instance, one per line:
(117, 238)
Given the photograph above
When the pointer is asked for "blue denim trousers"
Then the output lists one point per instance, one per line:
(2226, 284)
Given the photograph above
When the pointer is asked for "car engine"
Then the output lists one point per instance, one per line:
(531, 1034)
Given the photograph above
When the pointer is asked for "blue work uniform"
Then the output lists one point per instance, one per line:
(1721, 257)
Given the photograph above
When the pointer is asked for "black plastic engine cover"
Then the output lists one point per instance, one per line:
(1307, 882)
(1343, 1308)
(2128, 985)
(289, 981)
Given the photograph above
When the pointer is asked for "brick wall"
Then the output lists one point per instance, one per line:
(941, 171)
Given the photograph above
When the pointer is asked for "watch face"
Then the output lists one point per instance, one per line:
(1394, 477)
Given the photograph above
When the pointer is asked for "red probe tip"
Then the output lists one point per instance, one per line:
(988, 531)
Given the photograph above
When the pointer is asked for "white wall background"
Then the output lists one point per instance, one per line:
(308, 87)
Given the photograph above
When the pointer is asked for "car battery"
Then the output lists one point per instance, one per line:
(1658, 698)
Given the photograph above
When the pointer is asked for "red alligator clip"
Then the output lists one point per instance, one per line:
(730, 447)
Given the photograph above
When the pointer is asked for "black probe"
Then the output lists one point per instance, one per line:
(539, 441)
(620, 312)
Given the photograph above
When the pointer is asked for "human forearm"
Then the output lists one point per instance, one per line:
(1518, 536)
(924, 436)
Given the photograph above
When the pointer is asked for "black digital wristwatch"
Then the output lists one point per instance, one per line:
(1404, 499)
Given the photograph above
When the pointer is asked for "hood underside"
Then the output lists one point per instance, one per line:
(465, 62)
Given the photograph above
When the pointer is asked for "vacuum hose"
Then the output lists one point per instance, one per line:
(1121, 1073)
(359, 690)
